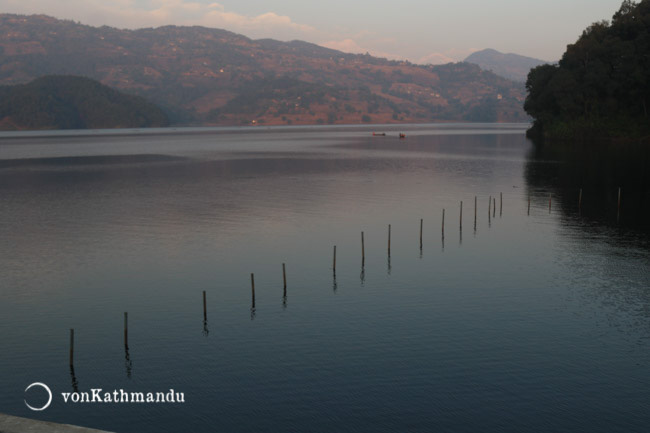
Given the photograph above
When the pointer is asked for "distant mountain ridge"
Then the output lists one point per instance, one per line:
(68, 102)
(511, 66)
(204, 76)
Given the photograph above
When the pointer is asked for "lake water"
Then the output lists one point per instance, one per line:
(529, 321)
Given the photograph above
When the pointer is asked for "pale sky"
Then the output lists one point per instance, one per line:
(433, 31)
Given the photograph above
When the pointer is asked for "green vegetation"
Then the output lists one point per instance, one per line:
(601, 87)
(69, 102)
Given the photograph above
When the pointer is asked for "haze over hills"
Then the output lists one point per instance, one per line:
(512, 66)
(200, 75)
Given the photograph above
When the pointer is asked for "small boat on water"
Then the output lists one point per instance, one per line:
(379, 134)
(402, 135)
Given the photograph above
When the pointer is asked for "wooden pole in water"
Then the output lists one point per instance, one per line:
(334, 260)
(71, 347)
(489, 207)
(443, 223)
(205, 309)
(284, 277)
(550, 201)
(461, 216)
(494, 207)
(389, 240)
(475, 202)
(501, 205)
(126, 328)
(253, 290)
(580, 200)
(529, 205)
(421, 222)
(363, 250)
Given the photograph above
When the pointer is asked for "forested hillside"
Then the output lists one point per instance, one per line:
(68, 102)
(209, 76)
(601, 87)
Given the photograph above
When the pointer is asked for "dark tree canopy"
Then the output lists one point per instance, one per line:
(69, 102)
(600, 87)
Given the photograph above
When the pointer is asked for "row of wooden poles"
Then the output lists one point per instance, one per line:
(550, 203)
(492, 204)
(126, 334)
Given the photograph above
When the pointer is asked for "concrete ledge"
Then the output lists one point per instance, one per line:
(14, 424)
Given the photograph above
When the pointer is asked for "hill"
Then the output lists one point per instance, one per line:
(600, 89)
(512, 66)
(210, 76)
(68, 102)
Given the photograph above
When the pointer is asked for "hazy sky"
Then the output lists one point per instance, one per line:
(433, 31)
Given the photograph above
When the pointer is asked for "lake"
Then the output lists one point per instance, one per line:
(533, 317)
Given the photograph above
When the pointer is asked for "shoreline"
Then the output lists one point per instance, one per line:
(14, 424)
(170, 130)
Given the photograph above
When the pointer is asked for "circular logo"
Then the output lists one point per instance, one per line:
(49, 393)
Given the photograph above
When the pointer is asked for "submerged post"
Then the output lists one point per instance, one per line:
(71, 347)
(363, 250)
(501, 204)
(421, 222)
(529, 205)
(461, 216)
(334, 261)
(475, 202)
(126, 327)
(443, 223)
(580, 200)
(550, 201)
(490, 211)
(284, 277)
(253, 290)
(388, 240)
(494, 207)
(205, 309)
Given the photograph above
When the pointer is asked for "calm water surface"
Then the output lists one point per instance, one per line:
(528, 321)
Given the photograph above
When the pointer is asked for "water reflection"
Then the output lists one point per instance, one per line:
(178, 221)
(586, 180)
(206, 330)
(73, 379)
(128, 365)
(601, 193)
